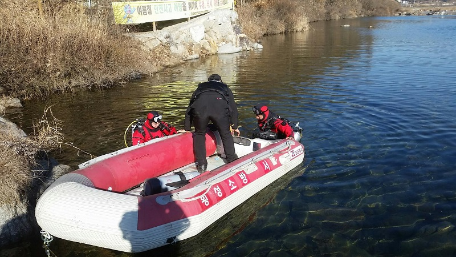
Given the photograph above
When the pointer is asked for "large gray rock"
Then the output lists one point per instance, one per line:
(216, 32)
(9, 102)
(8, 127)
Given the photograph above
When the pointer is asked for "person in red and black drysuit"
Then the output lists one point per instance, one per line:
(152, 128)
(269, 121)
(212, 101)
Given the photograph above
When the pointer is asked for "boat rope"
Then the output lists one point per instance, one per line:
(126, 130)
(80, 150)
(272, 151)
(47, 239)
(196, 197)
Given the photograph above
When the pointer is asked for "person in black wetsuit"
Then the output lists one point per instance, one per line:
(212, 101)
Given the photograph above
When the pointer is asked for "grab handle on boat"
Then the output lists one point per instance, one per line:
(289, 143)
(165, 199)
(196, 197)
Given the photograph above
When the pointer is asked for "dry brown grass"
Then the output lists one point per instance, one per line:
(17, 157)
(252, 20)
(272, 17)
(47, 131)
(14, 174)
(62, 49)
(264, 17)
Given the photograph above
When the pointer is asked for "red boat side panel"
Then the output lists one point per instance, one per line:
(151, 214)
(128, 169)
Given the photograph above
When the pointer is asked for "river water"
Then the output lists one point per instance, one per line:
(376, 98)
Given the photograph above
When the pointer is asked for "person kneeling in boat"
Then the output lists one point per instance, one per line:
(152, 127)
(270, 125)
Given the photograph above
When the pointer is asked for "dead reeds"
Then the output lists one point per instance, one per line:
(61, 48)
(18, 155)
(266, 17)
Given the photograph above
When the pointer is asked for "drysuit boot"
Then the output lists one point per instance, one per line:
(201, 168)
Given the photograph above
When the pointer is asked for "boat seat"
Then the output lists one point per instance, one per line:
(242, 141)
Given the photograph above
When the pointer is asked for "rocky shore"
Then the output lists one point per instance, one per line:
(17, 222)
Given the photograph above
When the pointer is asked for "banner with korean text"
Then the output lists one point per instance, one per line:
(151, 11)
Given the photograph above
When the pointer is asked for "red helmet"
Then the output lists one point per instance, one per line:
(154, 116)
(260, 110)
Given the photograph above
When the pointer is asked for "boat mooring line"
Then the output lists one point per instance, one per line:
(47, 239)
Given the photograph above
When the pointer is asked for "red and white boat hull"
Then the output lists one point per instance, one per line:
(94, 205)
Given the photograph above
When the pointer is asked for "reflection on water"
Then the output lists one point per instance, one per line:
(376, 101)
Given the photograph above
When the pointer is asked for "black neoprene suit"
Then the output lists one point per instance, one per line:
(212, 101)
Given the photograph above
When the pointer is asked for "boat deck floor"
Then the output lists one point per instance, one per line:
(213, 162)
(243, 146)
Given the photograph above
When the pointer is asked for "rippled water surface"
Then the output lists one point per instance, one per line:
(377, 101)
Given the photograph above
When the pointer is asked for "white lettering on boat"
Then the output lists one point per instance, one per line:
(232, 184)
(221, 190)
(205, 200)
(266, 165)
(273, 160)
(218, 191)
(243, 178)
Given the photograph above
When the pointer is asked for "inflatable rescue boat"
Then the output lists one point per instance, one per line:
(149, 195)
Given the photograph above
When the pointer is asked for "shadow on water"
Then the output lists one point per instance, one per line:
(19, 224)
